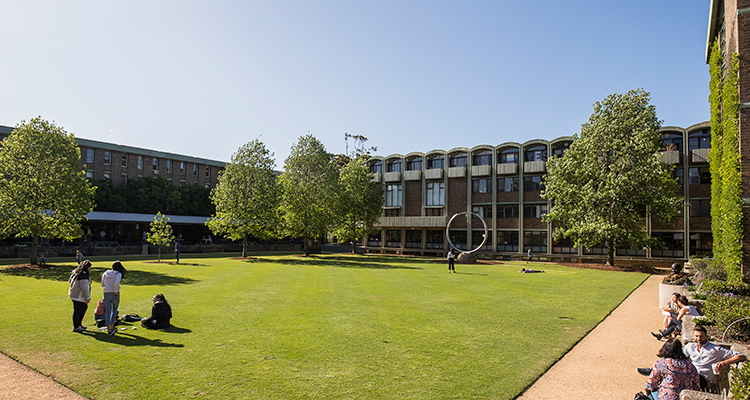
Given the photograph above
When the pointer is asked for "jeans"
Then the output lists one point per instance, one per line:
(111, 303)
(674, 324)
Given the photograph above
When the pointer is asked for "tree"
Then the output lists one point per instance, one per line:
(358, 151)
(43, 188)
(612, 178)
(247, 196)
(360, 201)
(160, 233)
(309, 184)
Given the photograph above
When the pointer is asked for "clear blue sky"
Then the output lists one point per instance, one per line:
(203, 78)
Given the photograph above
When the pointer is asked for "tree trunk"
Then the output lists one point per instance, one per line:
(610, 253)
(354, 247)
(34, 249)
(306, 243)
(158, 258)
(244, 246)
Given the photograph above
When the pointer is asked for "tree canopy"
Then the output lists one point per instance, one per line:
(310, 191)
(360, 201)
(612, 178)
(43, 188)
(247, 196)
(152, 195)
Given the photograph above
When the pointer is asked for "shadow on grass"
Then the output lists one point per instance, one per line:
(470, 273)
(62, 272)
(345, 261)
(128, 339)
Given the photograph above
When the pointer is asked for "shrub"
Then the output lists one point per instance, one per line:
(709, 269)
(725, 308)
(741, 382)
(714, 286)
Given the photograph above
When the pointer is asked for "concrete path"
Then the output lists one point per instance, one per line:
(602, 365)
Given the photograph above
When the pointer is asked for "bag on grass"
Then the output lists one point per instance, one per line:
(131, 318)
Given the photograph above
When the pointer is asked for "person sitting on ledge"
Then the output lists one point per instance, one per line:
(529, 271)
(676, 323)
(161, 312)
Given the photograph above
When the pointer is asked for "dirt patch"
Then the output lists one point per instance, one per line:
(33, 267)
(244, 258)
(646, 269)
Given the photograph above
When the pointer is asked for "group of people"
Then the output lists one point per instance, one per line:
(694, 367)
(674, 312)
(79, 291)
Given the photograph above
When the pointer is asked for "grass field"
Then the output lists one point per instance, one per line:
(325, 327)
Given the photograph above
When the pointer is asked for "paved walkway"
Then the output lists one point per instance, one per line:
(602, 365)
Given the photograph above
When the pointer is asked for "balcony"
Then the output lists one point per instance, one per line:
(481, 170)
(413, 175)
(435, 173)
(670, 157)
(507, 169)
(700, 155)
(456, 172)
(533, 166)
(416, 222)
(392, 177)
(377, 177)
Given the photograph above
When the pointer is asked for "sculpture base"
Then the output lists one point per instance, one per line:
(466, 258)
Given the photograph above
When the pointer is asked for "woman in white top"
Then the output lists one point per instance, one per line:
(676, 323)
(111, 284)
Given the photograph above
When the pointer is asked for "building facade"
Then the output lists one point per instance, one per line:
(503, 185)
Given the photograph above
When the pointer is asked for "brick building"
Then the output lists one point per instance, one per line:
(503, 184)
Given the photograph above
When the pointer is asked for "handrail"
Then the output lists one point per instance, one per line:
(730, 325)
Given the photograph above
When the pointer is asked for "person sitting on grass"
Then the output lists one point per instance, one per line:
(529, 271)
(676, 323)
(161, 312)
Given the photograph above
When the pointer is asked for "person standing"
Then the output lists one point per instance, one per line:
(451, 261)
(177, 250)
(79, 257)
(79, 290)
(111, 284)
(530, 254)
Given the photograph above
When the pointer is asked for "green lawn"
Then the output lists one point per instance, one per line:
(327, 327)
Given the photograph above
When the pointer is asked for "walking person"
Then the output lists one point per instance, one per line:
(451, 261)
(530, 254)
(79, 290)
(79, 257)
(111, 284)
(177, 250)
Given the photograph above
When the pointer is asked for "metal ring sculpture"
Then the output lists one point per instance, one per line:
(448, 228)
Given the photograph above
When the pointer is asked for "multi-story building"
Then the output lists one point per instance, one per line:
(120, 163)
(729, 21)
(503, 184)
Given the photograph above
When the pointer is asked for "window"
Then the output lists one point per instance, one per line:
(507, 210)
(208, 185)
(435, 194)
(394, 212)
(124, 161)
(699, 140)
(564, 246)
(374, 239)
(140, 162)
(107, 175)
(182, 168)
(536, 240)
(169, 166)
(484, 211)
(507, 184)
(482, 158)
(195, 169)
(700, 208)
(507, 240)
(477, 237)
(458, 160)
(536, 153)
(701, 243)
(509, 156)
(414, 164)
(435, 239)
(155, 164)
(459, 239)
(208, 172)
(671, 141)
(107, 158)
(89, 156)
(393, 238)
(699, 176)
(182, 182)
(481, 186)
(376, 167)
(123, 178)
(436, 162)
(532, 184)
(678, 175)
(560, 148)
(413, 239)
(90, 174)
(534, 211)
(393, 165)
(433, 212)
(674, 244)
(393, 195)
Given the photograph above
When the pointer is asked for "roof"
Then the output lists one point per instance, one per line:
(132, 217)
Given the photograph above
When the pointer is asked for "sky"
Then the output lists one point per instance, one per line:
(202, 78)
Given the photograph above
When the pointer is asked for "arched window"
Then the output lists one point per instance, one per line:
(436, 162)
(458, 160)
(671, 141)
(414, 163)
(699, 140)
(536, 153)
(376, 167)
(393, 165)
(558, 149)
(508, 156)
(483, 157)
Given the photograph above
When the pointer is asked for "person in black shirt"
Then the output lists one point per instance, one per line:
(161, 313)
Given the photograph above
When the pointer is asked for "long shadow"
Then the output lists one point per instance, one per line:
(124, 338)
(62, 272)
(345, 262)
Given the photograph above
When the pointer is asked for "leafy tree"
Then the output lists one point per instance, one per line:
(195, 199)
(612, 177)
(358, 151)
(160, 233)
(43, 188)
(150, 195)
(108, 197)
(310, 187)
(247, 196)
(360, 201)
